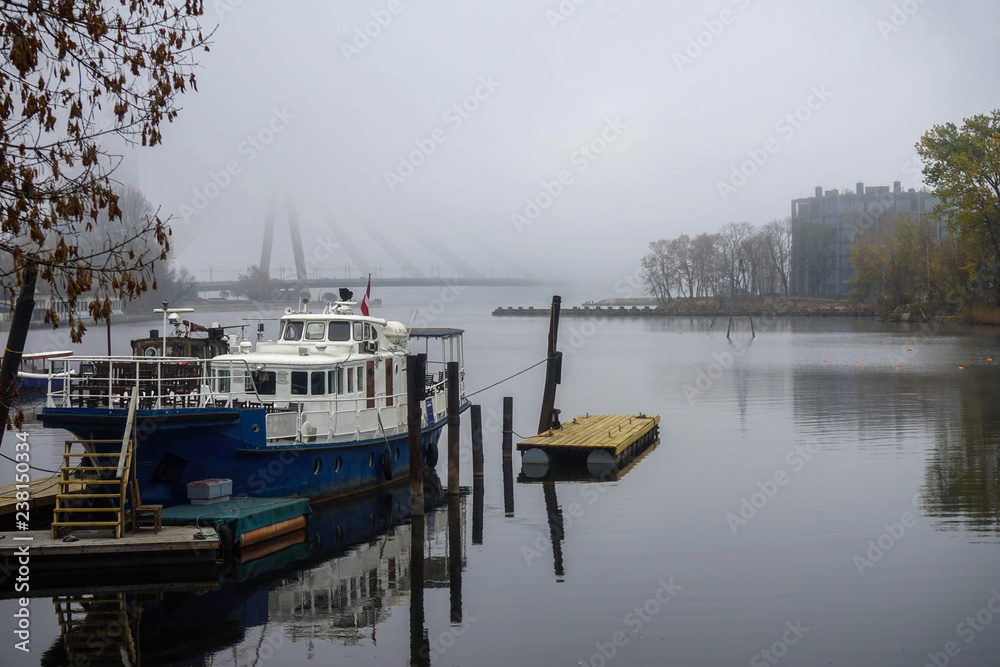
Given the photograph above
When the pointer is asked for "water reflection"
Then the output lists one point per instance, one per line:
(335, 584)
(886, 409)
(962, 478)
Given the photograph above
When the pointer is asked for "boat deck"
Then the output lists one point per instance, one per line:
(612, 433)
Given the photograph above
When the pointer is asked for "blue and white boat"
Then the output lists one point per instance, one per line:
(321, 412)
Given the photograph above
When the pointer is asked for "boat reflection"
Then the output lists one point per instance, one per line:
(337, 582)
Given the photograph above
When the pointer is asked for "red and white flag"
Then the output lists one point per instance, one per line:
(364, 299)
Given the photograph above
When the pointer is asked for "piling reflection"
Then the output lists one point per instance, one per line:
(556, 527)
(455, 556)
(420, 653)
(478, 497)
(358, 563)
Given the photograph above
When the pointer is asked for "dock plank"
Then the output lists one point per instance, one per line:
(42, 493)
(170, 538)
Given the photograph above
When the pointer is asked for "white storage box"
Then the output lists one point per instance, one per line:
(209, 491)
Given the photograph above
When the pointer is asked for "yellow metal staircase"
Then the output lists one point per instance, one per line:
(98, 476)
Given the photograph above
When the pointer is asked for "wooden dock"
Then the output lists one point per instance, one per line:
(41, 492)
(615, 437)
(172, 539)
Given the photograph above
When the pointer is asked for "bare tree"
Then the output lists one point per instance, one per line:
(777, 239)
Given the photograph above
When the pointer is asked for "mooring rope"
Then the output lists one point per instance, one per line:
(507, 378)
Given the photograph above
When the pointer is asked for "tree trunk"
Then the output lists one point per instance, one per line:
(15, 343)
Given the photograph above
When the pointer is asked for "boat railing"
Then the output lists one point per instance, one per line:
(92, 382)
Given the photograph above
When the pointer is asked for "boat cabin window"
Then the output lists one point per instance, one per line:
(265, 382)
(300, 383)
(317, 383)
(175, 349)
(359, 331)
(361, 381)
(339, 332)
(315, 331)
(292, 331)
(350, 380)
(222, 381)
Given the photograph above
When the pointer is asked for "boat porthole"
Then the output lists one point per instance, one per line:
(256, 428)
(371, 459)
(340, 534)
(397, 454)
(336, 464)
(317, 464)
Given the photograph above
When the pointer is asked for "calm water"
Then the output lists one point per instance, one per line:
(826, 511)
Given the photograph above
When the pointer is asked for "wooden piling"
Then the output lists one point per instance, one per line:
(477, 440)
(508, 487)
(454, 422)
(553, 368)
(416, 366)
(508, 426)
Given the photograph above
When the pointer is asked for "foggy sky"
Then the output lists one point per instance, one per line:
(877, 74)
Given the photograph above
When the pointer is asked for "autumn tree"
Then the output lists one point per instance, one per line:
(77, 80)
(962, 165)
(75, 77)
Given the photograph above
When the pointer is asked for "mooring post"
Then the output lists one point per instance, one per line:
(508, 487)
(508, 426)
(553, 369)
(416, 366)
(454, 422)
(477, 440)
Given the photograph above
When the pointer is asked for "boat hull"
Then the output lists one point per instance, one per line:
(179, 446)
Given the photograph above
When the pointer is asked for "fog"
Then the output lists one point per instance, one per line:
(670, 100)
